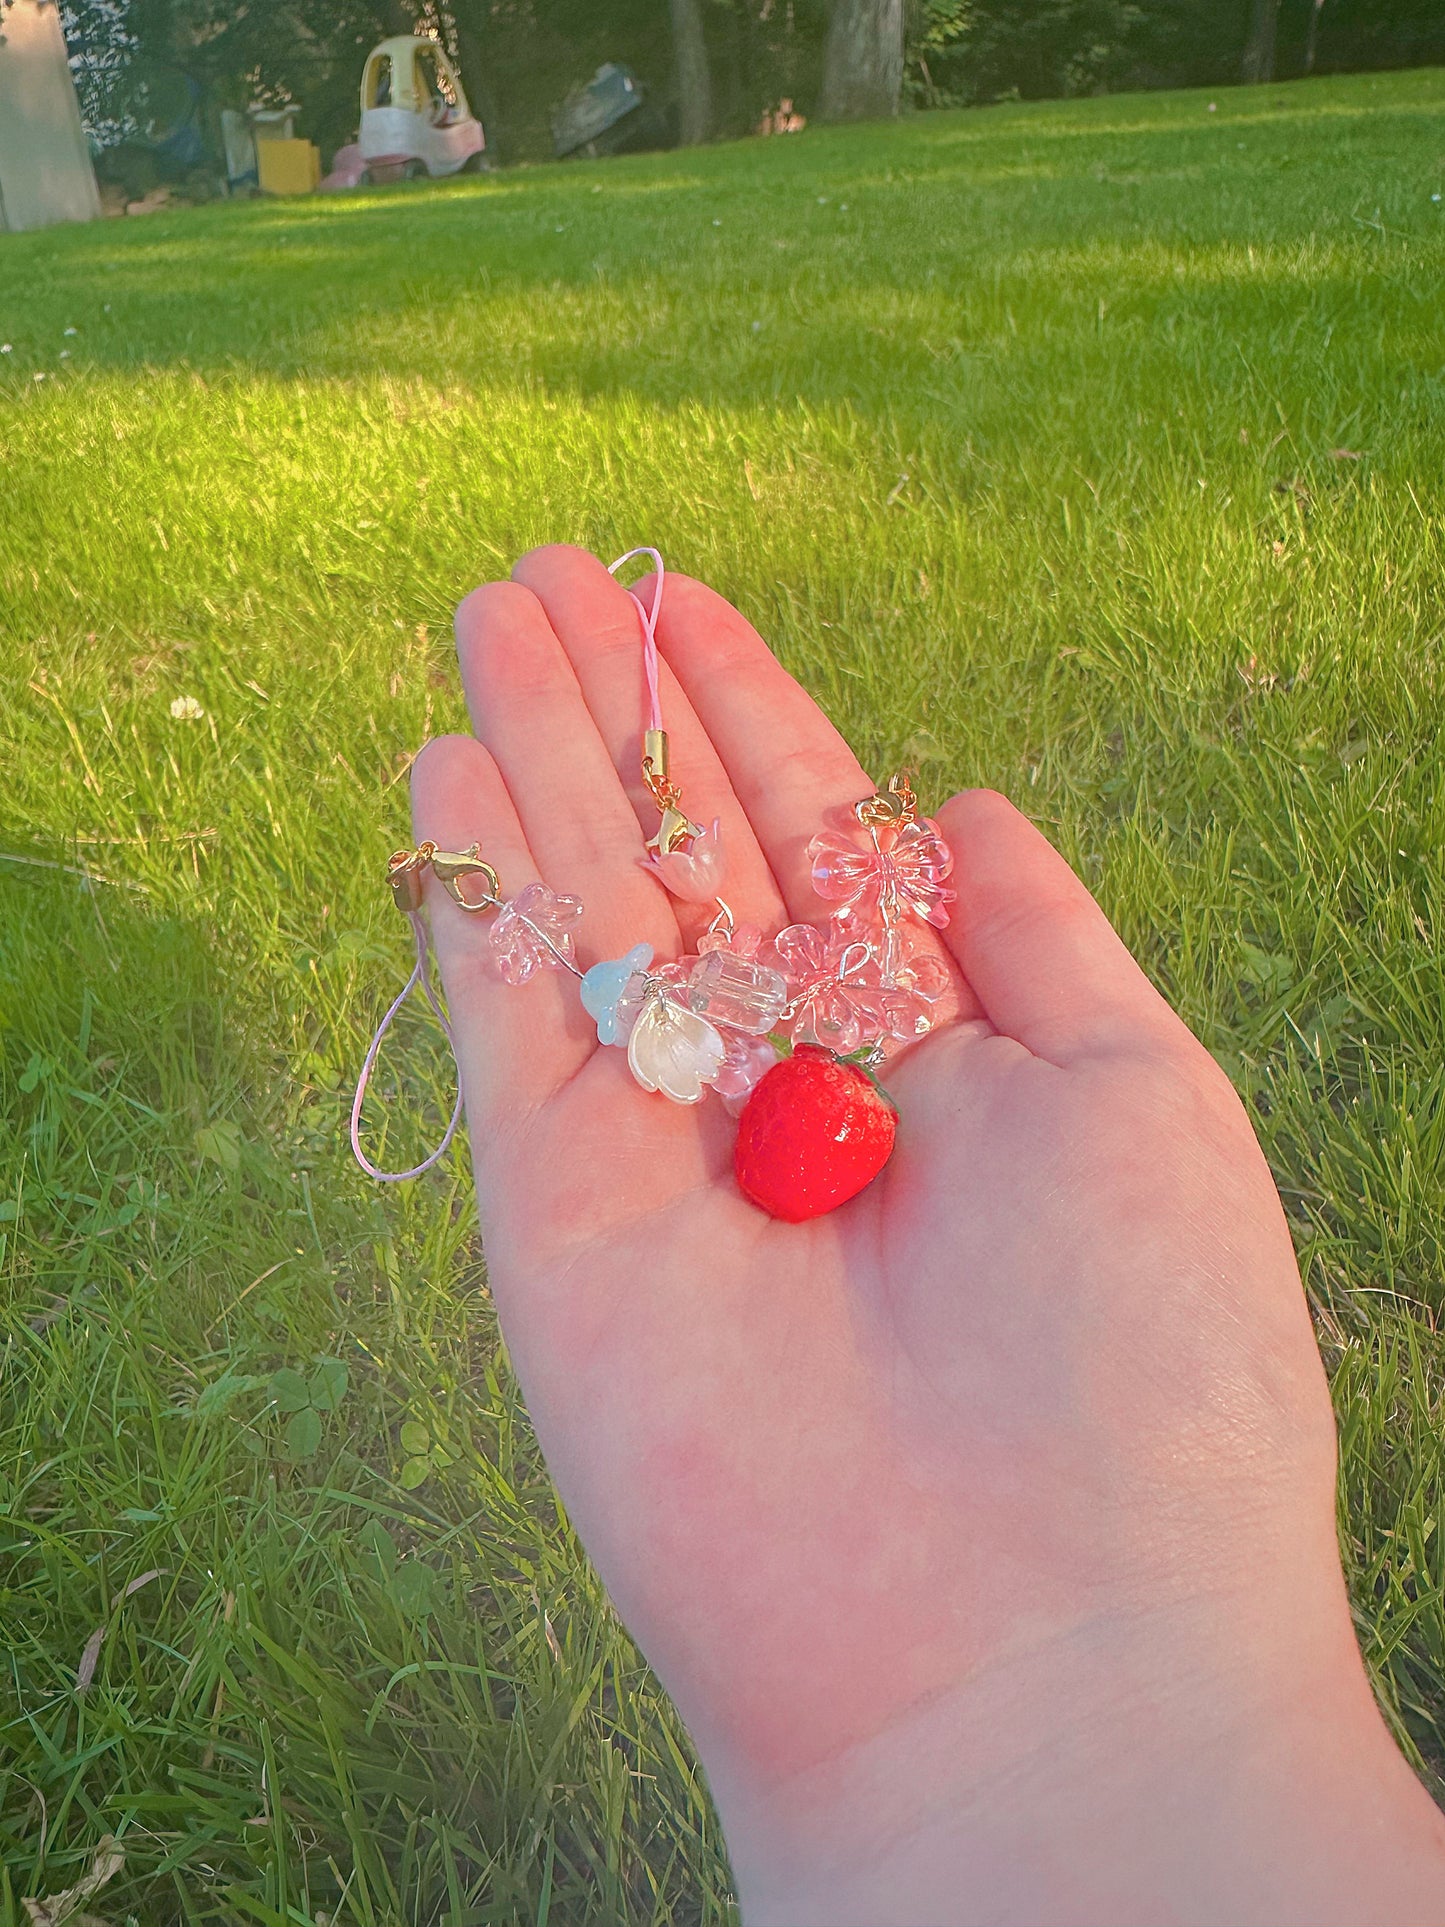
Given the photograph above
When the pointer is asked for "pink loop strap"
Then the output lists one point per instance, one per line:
(649, 629)
(420, 973)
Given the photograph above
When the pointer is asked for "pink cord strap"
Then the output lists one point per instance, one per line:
(420, 973)
(649, 629)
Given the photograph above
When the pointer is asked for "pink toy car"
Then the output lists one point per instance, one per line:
(414, 114)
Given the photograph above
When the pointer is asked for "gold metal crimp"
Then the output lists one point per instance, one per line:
(660, 786)
(654, 754)
(403, 873)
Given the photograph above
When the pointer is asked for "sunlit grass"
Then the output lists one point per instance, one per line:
(1094, 452)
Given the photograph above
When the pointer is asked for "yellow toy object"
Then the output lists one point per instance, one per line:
(414, 115)
(288, 166)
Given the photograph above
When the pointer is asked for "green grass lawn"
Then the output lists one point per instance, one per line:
(1094, 451)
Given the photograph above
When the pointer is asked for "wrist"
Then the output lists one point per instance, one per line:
(1108, 1776)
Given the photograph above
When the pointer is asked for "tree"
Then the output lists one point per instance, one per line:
(862, 60)
(694, 85)
(1259, 48)
(962, 51)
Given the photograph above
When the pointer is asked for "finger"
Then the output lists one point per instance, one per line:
(535, 1097)
(787, 763)
(527, 708)
(599, 625)
(516, 1043)
(1045, 961)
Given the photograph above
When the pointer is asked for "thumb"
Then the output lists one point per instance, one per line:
(1044, 960)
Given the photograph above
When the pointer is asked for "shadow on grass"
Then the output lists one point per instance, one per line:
(278, 1671)
(872, 268)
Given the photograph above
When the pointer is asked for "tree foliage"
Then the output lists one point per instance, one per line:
(520, 57)
(982, 50)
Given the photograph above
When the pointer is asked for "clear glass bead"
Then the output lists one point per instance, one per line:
(727, 989)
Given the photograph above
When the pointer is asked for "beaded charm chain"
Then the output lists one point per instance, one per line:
(784, 1029)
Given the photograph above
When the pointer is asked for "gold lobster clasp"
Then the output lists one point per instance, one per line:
(404, 874)
(675, 828)
(896, 805)
(449, 869)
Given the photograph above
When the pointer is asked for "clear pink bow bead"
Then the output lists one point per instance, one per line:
(695, 874)
(836, 988)
(891, 869)
(825, 967)
(909, 981)
(518, 931)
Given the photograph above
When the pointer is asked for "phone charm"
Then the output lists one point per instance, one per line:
(784, 1030)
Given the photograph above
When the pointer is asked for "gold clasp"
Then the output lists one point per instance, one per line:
(675, 828)
(896, 805)
(449, 869)
(404, 874)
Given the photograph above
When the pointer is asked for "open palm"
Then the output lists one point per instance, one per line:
(1051, 1372)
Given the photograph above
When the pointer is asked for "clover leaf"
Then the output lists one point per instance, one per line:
(305, 1399)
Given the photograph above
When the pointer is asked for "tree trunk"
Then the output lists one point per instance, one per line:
(1312, 38)
(1259, 49)
(694, 84)
(863, 60)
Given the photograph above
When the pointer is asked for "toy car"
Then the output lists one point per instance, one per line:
(414, 114)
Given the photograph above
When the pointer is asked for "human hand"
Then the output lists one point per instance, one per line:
(986, 1524)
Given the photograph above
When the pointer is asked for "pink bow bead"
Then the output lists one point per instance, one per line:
(517, 935)
(904, 1009)
(695, 874)
(888, 869)
(825, 969)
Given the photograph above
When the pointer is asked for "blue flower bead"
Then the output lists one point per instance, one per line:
(603, 989)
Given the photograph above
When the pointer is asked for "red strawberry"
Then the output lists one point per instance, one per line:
(813, 1133)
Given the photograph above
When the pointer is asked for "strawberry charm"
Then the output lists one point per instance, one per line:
(815, 1131)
